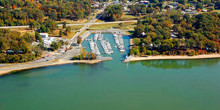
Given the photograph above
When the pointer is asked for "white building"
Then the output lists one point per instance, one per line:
(44, 35)
(144, 2)
(48, 41)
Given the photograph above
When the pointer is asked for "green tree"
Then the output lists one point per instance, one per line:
(61, 33)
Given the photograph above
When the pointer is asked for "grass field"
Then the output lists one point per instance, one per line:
(70, 35)
(23, 30)
(125, 26)
(217, 11)
(124, 18)
(129, 17)
(73, 22)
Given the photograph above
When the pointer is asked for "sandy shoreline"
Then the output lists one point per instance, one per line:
(18, 67)
(165, 57)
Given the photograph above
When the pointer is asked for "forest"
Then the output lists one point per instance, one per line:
(157, 6)
(113, 13)
(15, 47)
(176, 34)
(22, 12)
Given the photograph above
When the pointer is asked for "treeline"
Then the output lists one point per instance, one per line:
(157, 6)
(142, 9)
(194, 35)
(113, 13)
(15, 47)
(84, 55)
(22, 12)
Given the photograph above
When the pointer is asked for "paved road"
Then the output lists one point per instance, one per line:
(86, 25)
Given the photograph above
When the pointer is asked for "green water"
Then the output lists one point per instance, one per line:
(112, 85)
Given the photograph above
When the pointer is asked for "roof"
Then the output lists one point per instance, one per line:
(43, 33)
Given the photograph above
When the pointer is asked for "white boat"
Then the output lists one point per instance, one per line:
(94, 47)
(119, 41)
(100, 36)
(96, 36)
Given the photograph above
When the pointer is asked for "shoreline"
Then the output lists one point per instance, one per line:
(165, 57)
(19, 67)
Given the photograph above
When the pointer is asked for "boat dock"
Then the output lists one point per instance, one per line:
(98, 36)
(94, 47)
(107, 47)
(119, 41)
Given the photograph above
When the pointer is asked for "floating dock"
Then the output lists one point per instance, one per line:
(94, 47)
(107, 47)
(119, 41)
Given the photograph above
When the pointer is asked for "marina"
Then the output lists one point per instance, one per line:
(98, 38)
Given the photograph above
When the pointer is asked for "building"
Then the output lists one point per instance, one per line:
(48, 41)
(144, 2)
(10, 51)
(44, 35)
(190, 13)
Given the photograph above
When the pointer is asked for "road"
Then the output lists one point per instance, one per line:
(86, 25)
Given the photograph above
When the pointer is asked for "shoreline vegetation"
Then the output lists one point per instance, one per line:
(173, 57)
(19, 67)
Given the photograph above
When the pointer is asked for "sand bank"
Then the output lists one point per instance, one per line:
(165, 57)
(17, 67)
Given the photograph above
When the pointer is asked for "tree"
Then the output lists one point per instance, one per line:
(79, 40)
(136, 41)
(64, 24)
(38, 37)
(54, 46)
(13, 7)
(138, 30)
(68, 30)
(61, 33)
(67, 43)
(113, 12)
(33, 25)
(43, 28)
(199, 6)
(53, 14)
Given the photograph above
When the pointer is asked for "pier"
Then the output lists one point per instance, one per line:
(94, 47)
(107, 47)
(119, 41)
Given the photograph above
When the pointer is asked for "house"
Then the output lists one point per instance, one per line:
(10, 51)
(95, 5)
(144, 2)
(20, 52)
(203, 10)
(48, 41)
(190, 13)
(44, 35)
(173, 35)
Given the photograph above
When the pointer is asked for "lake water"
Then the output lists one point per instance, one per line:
(113, 85)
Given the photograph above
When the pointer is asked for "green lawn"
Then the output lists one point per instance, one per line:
(73, 22)
(129, 17)
(126, 26)
(217, 11)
